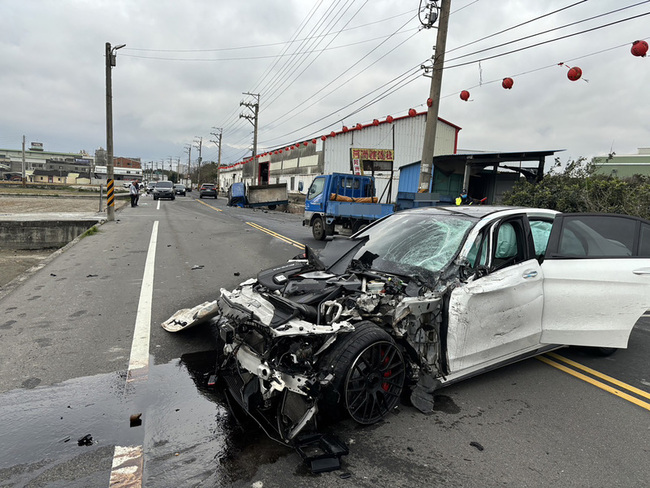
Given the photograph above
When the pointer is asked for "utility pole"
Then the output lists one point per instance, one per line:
(253, 119)
(188, 148)
(24, 178)
(428, 146)
(199, 147)
(218, 143)
(110, 183)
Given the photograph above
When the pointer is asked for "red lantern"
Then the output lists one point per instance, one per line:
(359, 126)
(305, 143)
(322, 138)
(293, 147)
(389, 119)
(375, 122)
(574, 73)
(507, 83)
(412, 112)
(429, 102)
(332, 134)
(639, 48)
(345, 128)
(313, 141)
(464, 95)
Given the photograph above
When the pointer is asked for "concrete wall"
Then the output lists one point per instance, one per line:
(41, 234)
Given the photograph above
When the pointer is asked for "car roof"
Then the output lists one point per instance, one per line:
(479, 212)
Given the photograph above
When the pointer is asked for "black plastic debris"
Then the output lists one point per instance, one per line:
(321, 452)
(135, 420)
(86, 440)
(236, 273)
(91, 276)
(476, 445)
(197, 266)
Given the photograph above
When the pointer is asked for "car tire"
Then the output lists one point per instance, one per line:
(173, 198)
(201, 196)
(369, 375)
(155, 197)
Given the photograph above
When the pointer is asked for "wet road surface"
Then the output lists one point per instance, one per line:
(66, 335)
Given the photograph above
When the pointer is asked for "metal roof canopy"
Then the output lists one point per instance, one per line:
(467, 164)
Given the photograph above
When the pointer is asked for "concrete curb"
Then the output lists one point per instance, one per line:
(19, 280)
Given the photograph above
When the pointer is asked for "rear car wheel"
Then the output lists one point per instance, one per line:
(369, 374)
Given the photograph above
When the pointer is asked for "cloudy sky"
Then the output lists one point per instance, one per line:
(318, 65)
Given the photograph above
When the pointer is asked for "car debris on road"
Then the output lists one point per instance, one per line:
(420, 299)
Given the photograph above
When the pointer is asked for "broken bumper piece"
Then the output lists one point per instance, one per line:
(321, 452)
(190, 317)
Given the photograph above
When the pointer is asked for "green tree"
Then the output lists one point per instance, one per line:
(577, 188)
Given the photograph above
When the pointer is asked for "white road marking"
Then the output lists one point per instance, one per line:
(128, 460)
(158, 207)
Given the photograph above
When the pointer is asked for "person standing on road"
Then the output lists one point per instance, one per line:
(134, 192)
(137, 195)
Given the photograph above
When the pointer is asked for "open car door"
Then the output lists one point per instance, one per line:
(596, 279)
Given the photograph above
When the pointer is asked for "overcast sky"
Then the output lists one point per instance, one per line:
(319, 65)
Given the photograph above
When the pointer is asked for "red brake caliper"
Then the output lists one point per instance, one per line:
(387, 374)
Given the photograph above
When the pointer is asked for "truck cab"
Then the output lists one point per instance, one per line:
(342, 203)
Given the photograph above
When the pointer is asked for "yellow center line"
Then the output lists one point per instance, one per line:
(600, 375)
(596, 383)
(276, 235)
(213, 208)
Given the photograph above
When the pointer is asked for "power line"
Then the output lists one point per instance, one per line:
(548, 41)
(548, 30)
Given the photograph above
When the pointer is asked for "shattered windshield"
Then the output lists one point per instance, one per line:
(410, 244)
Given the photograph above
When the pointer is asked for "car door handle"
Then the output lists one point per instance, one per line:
(642, 271)
(529, 273)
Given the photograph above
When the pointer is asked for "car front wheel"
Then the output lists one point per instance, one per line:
(369, 374)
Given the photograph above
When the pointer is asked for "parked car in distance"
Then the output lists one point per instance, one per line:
(150, 186)
(164, 189)
(208, 190)
(424, 298)
(179, 189)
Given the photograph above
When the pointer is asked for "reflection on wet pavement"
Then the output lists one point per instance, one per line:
(189, 436)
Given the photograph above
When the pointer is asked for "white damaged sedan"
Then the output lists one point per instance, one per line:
(420, 299)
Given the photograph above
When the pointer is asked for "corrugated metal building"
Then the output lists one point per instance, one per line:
(391, 143)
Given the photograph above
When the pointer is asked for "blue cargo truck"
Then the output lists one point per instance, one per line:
(342, 204)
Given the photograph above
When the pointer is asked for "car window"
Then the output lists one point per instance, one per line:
(644, 241)
(509, 246)
(597, 236)
(164, 184)
(541, 230)
(316, 188)
(477, 255)
(409, 244)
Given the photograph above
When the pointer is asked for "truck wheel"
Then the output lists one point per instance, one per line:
(318, 229)
(358, 225)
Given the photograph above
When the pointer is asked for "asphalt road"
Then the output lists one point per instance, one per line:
(69, 336)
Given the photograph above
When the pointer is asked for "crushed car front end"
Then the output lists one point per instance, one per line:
(346, 333)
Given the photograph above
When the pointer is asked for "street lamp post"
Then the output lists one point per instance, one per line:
(110, 183)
